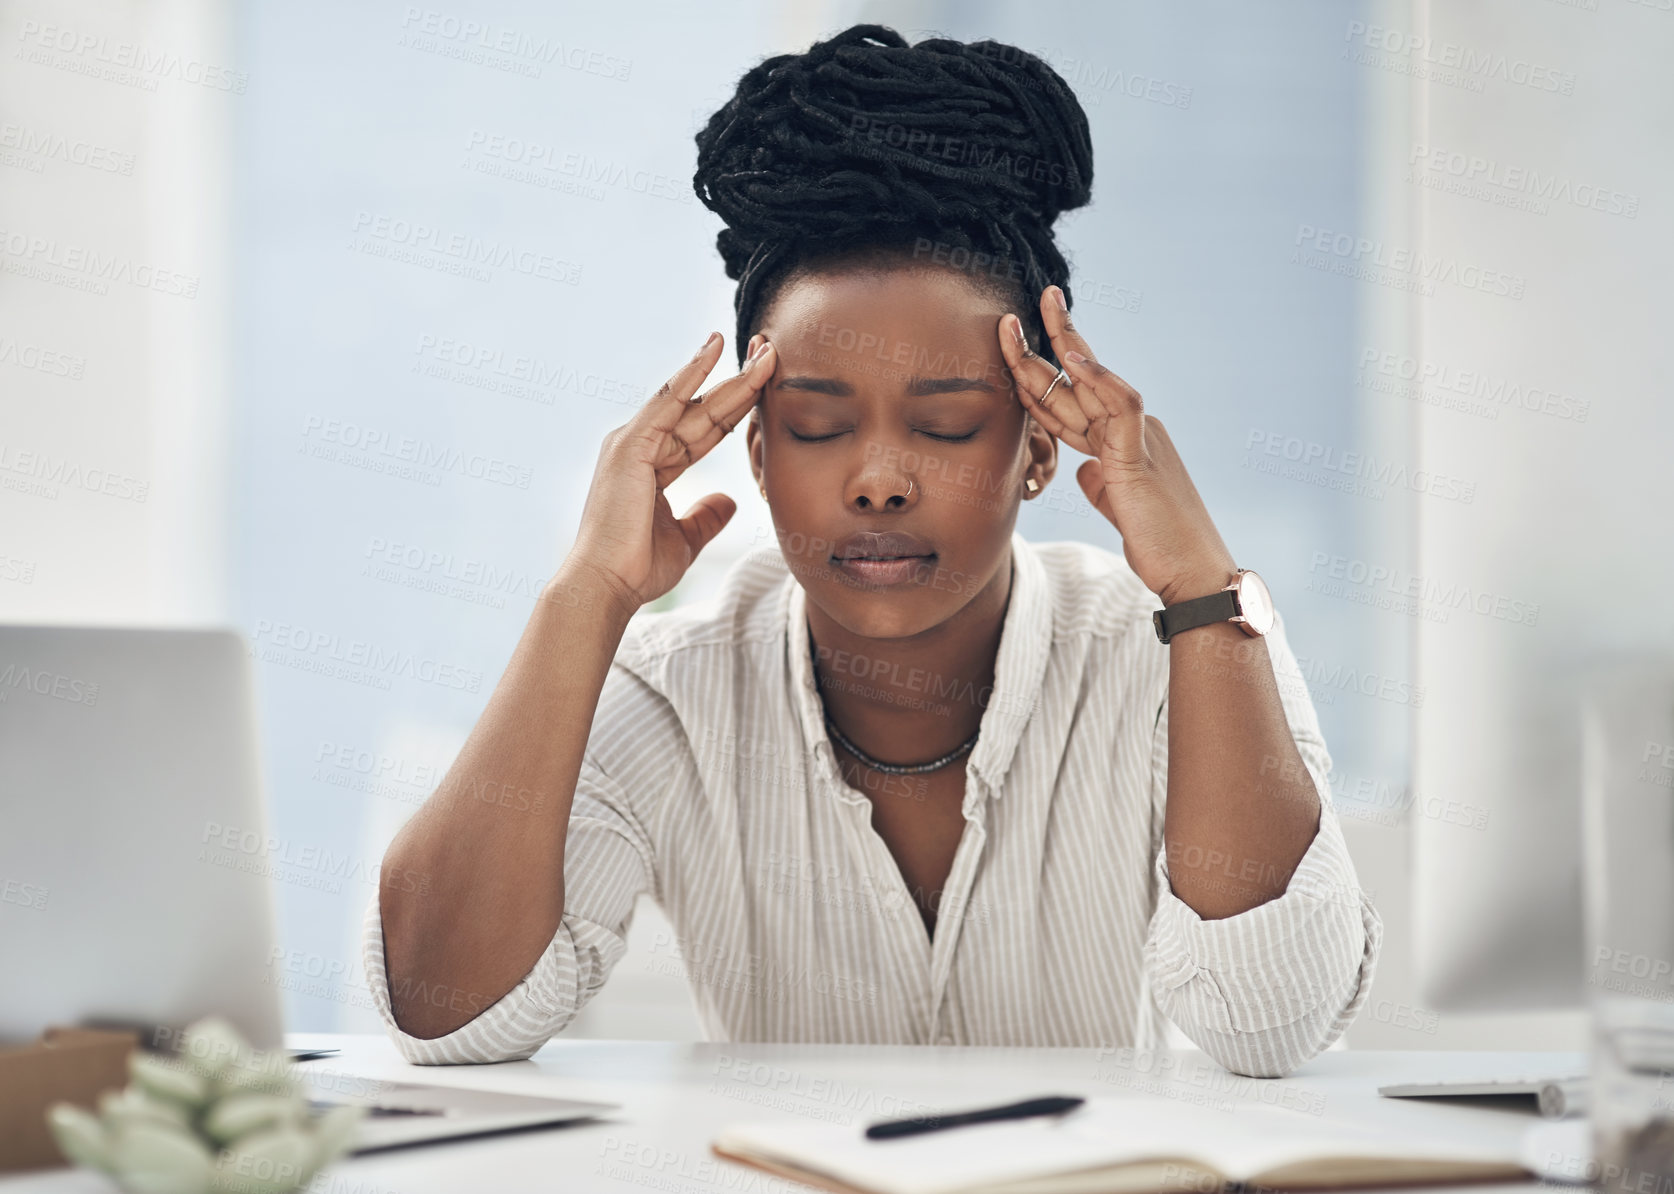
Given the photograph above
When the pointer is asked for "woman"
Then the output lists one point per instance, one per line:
(908, 778)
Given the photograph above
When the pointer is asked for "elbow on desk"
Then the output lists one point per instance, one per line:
(511, 1027)
(416, 1021)
(1263, 1058)
(1267, 1020)
(454, 1049)
(1261, 1047)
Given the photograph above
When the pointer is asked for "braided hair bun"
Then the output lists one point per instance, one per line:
(964, 154)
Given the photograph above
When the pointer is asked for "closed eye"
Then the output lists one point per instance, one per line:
(950, 439)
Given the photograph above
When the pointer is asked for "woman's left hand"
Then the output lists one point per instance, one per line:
(1136, 478)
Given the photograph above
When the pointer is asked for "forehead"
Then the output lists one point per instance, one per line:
(838, 310)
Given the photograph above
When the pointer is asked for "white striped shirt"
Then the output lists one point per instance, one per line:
(709, 781)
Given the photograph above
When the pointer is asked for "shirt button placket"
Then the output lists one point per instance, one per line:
(904, 932)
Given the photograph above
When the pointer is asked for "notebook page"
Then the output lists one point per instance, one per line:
(930, 1163)
(1106, 1131)
(1249, 1141)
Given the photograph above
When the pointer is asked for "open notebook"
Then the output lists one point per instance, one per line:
(1112, 1145)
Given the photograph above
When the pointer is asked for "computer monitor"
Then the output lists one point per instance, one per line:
(127, 756)
(133, 884)
(1537, 382)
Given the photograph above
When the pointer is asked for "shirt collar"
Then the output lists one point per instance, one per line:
(1019, 667)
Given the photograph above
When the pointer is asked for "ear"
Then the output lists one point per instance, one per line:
(1040, 449)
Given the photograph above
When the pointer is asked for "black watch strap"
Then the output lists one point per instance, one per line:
(1199, 611)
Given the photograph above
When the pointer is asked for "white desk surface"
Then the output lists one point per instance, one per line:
(676, 1096)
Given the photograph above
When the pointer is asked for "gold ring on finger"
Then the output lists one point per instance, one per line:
(1062, 376)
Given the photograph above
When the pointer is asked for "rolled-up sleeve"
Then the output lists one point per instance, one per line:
(1265, 990)
(608, 863)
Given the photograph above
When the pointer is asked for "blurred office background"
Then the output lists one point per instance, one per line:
(1394, 275)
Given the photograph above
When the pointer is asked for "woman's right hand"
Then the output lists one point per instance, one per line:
(629, 539)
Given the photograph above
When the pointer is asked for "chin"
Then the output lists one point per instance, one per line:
(884, 610)
(866, 617)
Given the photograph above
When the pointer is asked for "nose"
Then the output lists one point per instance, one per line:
(883, 490)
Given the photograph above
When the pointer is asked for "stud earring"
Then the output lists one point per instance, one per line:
(1032, 485)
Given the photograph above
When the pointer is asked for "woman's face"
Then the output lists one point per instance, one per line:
(891, 410)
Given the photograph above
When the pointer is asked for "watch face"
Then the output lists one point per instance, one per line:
(1255, 603)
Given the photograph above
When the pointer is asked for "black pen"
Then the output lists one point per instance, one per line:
(1049, 1105)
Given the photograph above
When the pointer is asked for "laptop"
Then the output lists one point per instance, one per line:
(129, 758)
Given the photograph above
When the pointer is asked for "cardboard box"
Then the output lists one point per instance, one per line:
(70, 1064)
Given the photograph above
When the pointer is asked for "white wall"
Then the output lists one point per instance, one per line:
(114, 129)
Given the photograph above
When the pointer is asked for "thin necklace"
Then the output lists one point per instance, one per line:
(878, 764)
(900, 768)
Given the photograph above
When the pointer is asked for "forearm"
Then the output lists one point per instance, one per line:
(1242, 807)
(490, 840)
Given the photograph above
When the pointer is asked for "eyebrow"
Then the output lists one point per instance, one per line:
(917, 387)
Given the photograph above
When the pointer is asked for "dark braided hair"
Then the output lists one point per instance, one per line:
(866, 149)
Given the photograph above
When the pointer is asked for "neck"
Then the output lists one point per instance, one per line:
(912, 699)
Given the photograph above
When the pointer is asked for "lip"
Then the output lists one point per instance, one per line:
(882, 557)
(880, 545)
(884, 572)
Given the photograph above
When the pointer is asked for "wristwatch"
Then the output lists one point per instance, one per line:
(1245, 601)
